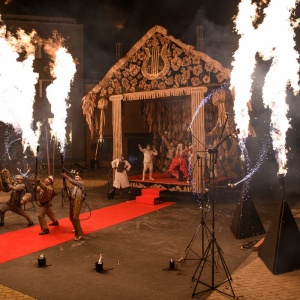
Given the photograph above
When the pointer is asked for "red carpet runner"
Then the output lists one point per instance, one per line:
(25, 241)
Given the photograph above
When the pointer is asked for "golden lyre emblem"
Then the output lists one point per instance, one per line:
(156, 64)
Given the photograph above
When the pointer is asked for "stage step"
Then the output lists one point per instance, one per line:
(149, 196)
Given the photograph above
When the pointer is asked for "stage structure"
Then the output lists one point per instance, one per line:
(172, 79)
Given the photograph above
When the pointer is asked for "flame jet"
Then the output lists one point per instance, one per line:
(63, 70)
(272, 39)
(17, 83)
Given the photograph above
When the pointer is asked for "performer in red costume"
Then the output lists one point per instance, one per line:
(179, 167)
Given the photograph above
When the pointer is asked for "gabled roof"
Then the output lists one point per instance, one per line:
(159, 65)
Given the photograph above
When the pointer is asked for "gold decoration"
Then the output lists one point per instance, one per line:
(160, 57)
(218, 99)
(156, 64)
(88, 106)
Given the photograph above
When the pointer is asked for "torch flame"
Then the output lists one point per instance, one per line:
(100, 259)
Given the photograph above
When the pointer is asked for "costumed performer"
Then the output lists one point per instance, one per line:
(46, 190)
(14, 203)
(179, 167)
(148, 159)
(171, 149)
(187, 153)
(120, 166)
(77, 196)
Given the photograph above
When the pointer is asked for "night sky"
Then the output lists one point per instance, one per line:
(101, 18)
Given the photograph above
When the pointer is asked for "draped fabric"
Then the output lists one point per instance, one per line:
(88, 110)
(102, 105)
(168, 120)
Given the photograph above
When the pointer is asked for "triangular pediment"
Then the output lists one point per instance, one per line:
(159, 62)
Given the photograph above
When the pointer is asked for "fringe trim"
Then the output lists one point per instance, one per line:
(162, 93)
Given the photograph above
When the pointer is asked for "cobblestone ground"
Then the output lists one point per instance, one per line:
(254, 281)
(8, 293)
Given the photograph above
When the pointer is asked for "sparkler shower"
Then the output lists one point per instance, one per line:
(272, 39)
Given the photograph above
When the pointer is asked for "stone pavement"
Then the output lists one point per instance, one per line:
(8, 293)
(251, 281)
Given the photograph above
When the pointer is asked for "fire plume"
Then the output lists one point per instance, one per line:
(272, 39)
(17, 83)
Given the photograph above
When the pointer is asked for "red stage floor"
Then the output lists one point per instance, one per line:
(158, 178)
(164, 180)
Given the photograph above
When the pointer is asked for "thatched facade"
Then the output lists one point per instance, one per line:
(172, 79)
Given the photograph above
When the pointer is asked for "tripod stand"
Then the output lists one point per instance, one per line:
(204, 202)
(203, 226)
(213, 247)
(204, 230)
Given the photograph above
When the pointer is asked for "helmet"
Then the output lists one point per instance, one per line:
(50, 177)
(77, 174)
(19, 177)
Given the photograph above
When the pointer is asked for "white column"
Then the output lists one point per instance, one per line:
(117, 125)
(199, 142)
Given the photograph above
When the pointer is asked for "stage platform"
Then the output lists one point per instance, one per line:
(167, 182)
